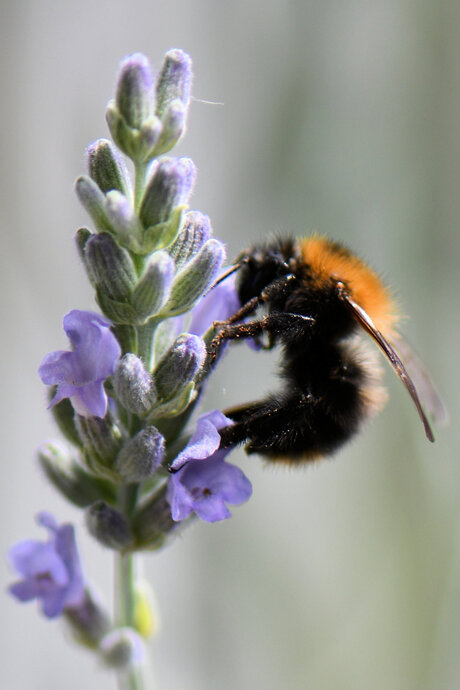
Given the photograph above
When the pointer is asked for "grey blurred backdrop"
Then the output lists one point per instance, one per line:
(334, 115)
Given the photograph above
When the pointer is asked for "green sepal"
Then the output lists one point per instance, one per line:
(88, 622)
(124, 222)
(153, 287)
(173, 121)
(71, 480)
(110, 267)
(93, 201)
(102, 441)
(64, 416)
(137, 144)
(194, 232)
(165, 335)
(152, 522)
(97, 467)
(176, 405)
(105, 167)
(81, 238)
(125, 137)
(162, 235)
(195, 278)
(120, 313)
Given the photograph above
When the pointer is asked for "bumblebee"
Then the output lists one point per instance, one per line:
(317, 298)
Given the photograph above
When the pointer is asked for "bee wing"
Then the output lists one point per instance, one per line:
(367, 324)
(432, 401)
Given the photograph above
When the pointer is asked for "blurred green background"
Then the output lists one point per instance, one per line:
(334, 115)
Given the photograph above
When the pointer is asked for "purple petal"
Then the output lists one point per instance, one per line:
(80, 374)
(67, 550)
(53, 602)
(179, 499)
(30, 558)
(90, 400)
(47, 520)
(205, 487)
(96, 349)
(212, 509)
(57, 367)
(51, 570)
(205, 440)
(25, 590)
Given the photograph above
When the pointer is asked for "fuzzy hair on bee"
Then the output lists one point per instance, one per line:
(315, 299)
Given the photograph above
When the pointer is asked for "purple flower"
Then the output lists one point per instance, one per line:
(51, 570)
(80, 373)
(217, 305)
(203, 482)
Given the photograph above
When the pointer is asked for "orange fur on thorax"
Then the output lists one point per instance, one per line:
(328, 260)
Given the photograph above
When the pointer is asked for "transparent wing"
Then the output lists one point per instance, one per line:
(396, 362)
(432, 401)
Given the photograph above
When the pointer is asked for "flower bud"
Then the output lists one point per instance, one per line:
(195, 231)
(174, 81)
(122, 648)
(110, 267)
(102, 442)
(88, 621)
(179, 366)
(134, 90)
(134, 385)
(106, 167)
(152, 522)
(71, 480)
(81, 238)
(108, 526)
(126, 138)
(170, 185)
(141, 455)
(93, 200)
(195, 278)
(123, 220)
(154, 286)
(149, 136)
(174, 121)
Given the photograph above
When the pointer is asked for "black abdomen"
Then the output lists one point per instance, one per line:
(320, 408)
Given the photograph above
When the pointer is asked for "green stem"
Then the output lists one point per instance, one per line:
(124, 586)
(140, 174)
(125, 595)
(145, 342)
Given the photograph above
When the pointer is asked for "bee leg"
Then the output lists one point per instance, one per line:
(275, 324)
(276, 287)
(278, 427)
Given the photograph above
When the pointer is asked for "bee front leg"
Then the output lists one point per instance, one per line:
(235, 332)
(275, 324)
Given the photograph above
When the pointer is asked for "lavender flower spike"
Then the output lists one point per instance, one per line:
(51, 570)
(203, 482)
(80, 373)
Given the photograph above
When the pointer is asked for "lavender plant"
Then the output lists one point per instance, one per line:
(124, 394)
